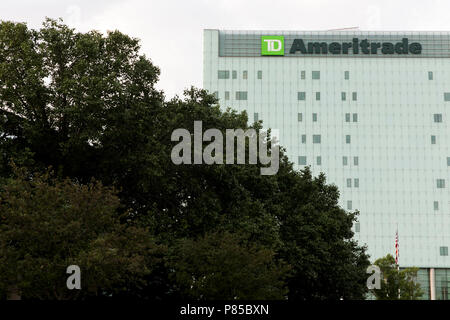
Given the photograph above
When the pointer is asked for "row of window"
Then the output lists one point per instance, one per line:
(317, 138)
(239, 95)
(347, 137)
(440, 183)
(302, 160)
(355, 183)
(315, 75)
(301, 96)
(354, 117)
(348, 116)
(225, 74)
(345, 159)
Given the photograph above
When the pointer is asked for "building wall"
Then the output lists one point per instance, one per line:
(397, 165)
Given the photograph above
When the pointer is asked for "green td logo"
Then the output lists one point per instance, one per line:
(272, 45)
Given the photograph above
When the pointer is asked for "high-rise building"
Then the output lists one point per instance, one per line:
(369, 109)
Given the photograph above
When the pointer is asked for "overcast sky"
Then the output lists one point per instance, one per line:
(171, 30)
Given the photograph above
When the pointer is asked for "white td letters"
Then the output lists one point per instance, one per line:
(271, 45)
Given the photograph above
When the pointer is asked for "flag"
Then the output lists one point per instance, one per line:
(396, 248)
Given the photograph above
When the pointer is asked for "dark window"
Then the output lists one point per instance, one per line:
(319, 161)
(241, 95)
(347, 138)
(301, 96)
(302, 160)
(316, 138)
(303, 138)
(223, 74)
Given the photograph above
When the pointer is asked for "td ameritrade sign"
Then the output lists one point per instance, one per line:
(274, 45)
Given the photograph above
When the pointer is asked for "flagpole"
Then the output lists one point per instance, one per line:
(397, 261)
(397, 251)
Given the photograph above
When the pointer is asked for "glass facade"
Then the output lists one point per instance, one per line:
(442, 284)
(423, 278)
(380, 110)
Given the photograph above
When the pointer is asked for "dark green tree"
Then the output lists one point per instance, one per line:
(317, 239)
(47, 225)
(223, 266)
(397, 284)
(85, 104)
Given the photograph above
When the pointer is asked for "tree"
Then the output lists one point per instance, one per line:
(85, 104)
(47, 225)
(317, 239)
(66, 95)
(397, 284)
(223, 266)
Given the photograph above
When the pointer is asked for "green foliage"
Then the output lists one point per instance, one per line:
(47, 225)
(225, 267)
(71, 93)
(317, 240)
(397, 284)
(85, 104)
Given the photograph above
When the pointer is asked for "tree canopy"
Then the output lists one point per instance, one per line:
(47, 225)
(86, 105)
(397, 284)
